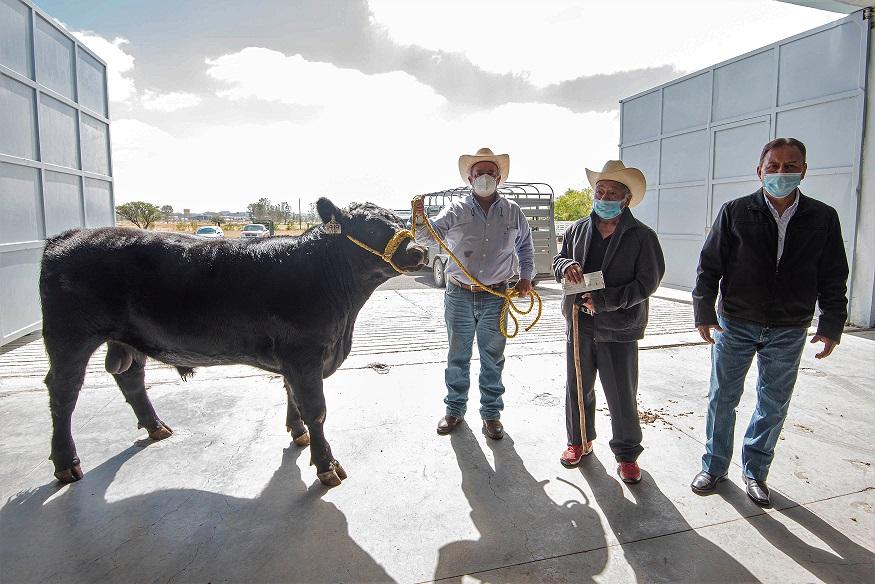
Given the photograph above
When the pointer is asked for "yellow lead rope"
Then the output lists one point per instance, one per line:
(509, 307)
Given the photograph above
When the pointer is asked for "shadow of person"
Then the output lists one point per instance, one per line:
(640, 526)
(844, 561)
(517, 521)
(286, 534)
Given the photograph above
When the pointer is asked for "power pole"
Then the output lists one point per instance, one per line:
(299, 213)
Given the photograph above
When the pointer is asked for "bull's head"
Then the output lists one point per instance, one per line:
(376, 230)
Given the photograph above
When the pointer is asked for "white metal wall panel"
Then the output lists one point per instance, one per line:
(641, 118)
(15, 34)
(98, 203)
(54, 59)
(684, 158)
(20, 206)
(811, 87)
(648, 209)
(19, 273)
(53, 121)
(686, 104)
(91, 83)
(682, 210)
(18, 137)
(95, 145)
(645, 157)
(824, 128)
(821, 64)
(736, 148)
(59, 135)
(63, 202)
(755, 76)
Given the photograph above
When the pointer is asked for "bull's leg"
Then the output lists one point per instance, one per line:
(307, 388)
(294, 424)
(132, 383)
(64, 380)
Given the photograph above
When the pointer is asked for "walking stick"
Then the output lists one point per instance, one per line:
(581, 408)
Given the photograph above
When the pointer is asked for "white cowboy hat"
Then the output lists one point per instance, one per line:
(615, 170)
(466, 161)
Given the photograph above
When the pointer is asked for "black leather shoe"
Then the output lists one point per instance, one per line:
(448, 424)
(705, 482)
(493, 429)
(757, 491)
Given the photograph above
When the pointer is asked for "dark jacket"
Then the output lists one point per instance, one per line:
(633, 268)
(741, 253)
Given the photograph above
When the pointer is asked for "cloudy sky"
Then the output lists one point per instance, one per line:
(216, 104)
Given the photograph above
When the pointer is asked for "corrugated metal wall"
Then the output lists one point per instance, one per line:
(698, 139)
(55, 158)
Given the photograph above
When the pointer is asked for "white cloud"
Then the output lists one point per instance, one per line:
(379, 138)
(270, 75)
(119, 64)
(168, 102)
(564, 39)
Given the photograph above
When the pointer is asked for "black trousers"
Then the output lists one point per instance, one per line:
(617, 367)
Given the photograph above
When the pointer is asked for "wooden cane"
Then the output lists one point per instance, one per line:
(581, 409)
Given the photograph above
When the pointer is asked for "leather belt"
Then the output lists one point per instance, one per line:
(500, 286)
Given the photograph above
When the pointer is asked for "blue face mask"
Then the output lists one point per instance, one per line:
(781, 184)
(607, 209)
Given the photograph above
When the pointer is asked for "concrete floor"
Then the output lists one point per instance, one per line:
(227, 499)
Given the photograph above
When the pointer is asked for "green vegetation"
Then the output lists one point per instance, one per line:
(141, 214)
(573, 205)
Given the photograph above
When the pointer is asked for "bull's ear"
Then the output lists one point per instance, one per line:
(327, 210)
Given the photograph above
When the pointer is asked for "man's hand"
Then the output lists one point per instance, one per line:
(587, 302)
(828, 346)
(574, 274)
(705, 331)
(523, 287)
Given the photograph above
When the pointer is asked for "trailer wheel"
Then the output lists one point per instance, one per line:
(438, 273)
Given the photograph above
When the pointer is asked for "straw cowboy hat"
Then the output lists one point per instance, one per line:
(615, 170)
(466, 161)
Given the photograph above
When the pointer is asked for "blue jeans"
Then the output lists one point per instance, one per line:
(778, 353)
(470, 314)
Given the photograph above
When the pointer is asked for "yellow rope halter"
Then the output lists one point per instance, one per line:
(509, 307)
(391, 247)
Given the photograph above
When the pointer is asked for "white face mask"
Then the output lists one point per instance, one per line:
(484, 185)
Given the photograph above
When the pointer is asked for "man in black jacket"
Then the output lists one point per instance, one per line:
(774, 254)
(610, 321)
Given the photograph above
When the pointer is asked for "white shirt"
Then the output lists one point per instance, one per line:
(485, 242)
(782, 220)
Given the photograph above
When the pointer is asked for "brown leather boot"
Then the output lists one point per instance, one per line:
(447, 424)
(493, 429)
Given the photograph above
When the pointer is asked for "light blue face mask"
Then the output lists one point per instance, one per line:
(781, 184)
(607, 209)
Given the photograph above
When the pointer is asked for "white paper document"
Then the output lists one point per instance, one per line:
(591, 281)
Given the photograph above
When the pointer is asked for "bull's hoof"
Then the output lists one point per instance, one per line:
(70, 475)
(333, 476)
(302, 439)
(161, 432)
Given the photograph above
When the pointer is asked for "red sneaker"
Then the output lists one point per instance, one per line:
(574, 453)
(630, 472)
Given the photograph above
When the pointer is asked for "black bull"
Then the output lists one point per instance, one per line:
(285, 305)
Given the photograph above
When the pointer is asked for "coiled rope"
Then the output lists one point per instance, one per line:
(509, 309)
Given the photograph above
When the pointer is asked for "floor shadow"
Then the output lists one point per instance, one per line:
(641, 526)
(286, 534)
(517, 521)
(844, 561)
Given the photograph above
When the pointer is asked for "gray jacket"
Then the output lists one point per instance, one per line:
(633, 268)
